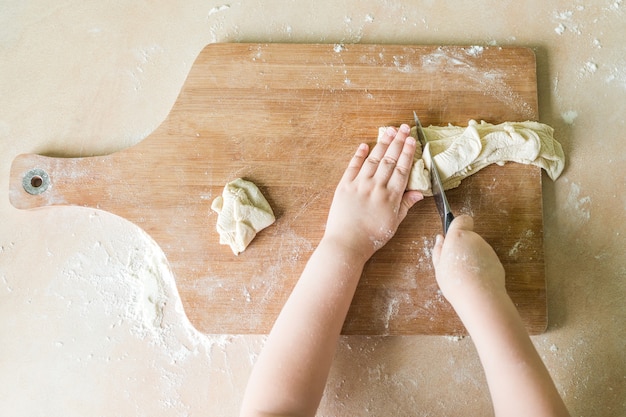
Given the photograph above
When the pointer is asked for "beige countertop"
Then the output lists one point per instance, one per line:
(90, 319)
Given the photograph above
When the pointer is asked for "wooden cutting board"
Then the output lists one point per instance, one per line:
(288, 117)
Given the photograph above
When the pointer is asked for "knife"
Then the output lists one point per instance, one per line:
(440, 196)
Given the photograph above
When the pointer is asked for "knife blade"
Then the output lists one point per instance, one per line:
(438, 193)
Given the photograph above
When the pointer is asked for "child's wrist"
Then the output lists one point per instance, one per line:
(484, 308)
(349, 250)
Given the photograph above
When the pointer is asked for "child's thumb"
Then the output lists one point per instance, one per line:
(437, 250)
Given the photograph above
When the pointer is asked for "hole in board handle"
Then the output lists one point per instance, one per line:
(36, 181)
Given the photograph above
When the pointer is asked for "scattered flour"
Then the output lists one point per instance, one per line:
(589, 68)
(490, 82)
(392, 310)
(455, 338)
(522, 243)
(141, 297)
(560, 29)
(565, 21)
(109, 318)
(474, 51)
(218, 9)
(617, 74)
(563, 15)
(401, 64)
(569, 116)
(580, 206)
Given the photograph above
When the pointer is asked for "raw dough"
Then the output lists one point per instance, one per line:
(460, 152)
(242, 212)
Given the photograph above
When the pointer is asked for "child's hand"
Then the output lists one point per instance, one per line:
(370, 200)
(468, 270)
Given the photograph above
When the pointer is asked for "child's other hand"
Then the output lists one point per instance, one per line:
(370, 200)
(468, 270)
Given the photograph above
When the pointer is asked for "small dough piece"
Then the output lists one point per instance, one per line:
(242, 212)
(462, 151)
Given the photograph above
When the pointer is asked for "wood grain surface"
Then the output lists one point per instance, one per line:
(288, 117)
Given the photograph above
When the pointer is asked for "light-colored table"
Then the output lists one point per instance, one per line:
(90, 319)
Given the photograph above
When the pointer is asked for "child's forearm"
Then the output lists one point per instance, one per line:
(369, 203)
(291, 372)
(519, 383)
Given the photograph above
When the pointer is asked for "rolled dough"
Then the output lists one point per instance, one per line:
(462, 151)
(242, 211)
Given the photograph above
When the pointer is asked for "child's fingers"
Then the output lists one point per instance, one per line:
(401, 172)
(463, 222)
(373, 160)
(437, 250)
(355, 164)
(409, 199)
(389, 161)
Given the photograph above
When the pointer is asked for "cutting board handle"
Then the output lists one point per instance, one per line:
(38, 181)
